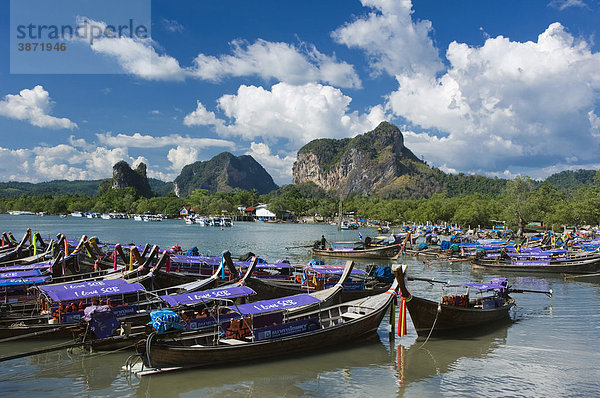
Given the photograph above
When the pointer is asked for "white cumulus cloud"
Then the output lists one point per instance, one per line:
(139, 58)
(267, 60)
(33, 106)
(201, 117)
(181, 156)
(138, 140)
(278, 165)
(506, 104)
(43, 163)
(296, 113)
(280, 61)
(564, 4)
(393, 42)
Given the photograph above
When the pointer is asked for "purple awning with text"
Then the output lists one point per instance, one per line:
(20, 274)
(83, 285)
(85, 292)
(215, 294)
(275, 305)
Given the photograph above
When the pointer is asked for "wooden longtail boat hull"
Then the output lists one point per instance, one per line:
(429, 253)
(385, 252)
(435, 319)
(423, 314)
(346, 331)
(568, 266)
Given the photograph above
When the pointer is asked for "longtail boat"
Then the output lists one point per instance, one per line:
(381, 252)
(570, 263)
(61, 307)
(210, 302)
(266, 329)
(459, 312)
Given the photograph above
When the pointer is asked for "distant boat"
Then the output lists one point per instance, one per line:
(21, 213)
(387, 252)
(536, 226)
(77, 214)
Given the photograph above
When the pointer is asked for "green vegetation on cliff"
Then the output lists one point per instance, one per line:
(224, 173)
(378, 163)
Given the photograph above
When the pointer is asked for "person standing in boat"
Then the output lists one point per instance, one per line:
(323, 242)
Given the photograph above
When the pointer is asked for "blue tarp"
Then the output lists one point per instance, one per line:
(24, 281)
(165, 320)
(384, 274)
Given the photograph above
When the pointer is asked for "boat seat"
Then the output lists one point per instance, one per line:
(232, 341)
(351, 315)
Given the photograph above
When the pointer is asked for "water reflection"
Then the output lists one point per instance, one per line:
(426, 359)
(281, 377)
(91, 371)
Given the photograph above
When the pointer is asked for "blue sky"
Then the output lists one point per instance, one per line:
(498, 88)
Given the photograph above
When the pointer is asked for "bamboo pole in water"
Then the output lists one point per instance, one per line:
(340, 216)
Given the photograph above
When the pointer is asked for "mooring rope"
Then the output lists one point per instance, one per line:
(439, 309)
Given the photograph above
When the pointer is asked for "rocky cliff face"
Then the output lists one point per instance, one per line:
(223, 173)
(376, 162)
(124, 176)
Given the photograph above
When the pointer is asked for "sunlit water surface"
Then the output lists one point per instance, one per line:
(549, 349)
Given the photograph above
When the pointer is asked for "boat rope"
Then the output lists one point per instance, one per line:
(148, 345)
(132, 360)
(439, 310)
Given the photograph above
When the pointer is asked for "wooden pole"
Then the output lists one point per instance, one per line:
(392, 316)
(42, 351)
(340, 216)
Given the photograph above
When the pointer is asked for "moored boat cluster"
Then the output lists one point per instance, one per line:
(186, 310)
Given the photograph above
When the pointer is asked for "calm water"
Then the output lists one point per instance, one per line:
(549, 349)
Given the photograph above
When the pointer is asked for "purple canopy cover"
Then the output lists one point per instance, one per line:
(188, 298)
(335, 269)
(89, 292)
(85, 285)
(24, 281)
(20, 274)
(498, 284)
(532, 262)
(275, 304)
(12, 268)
